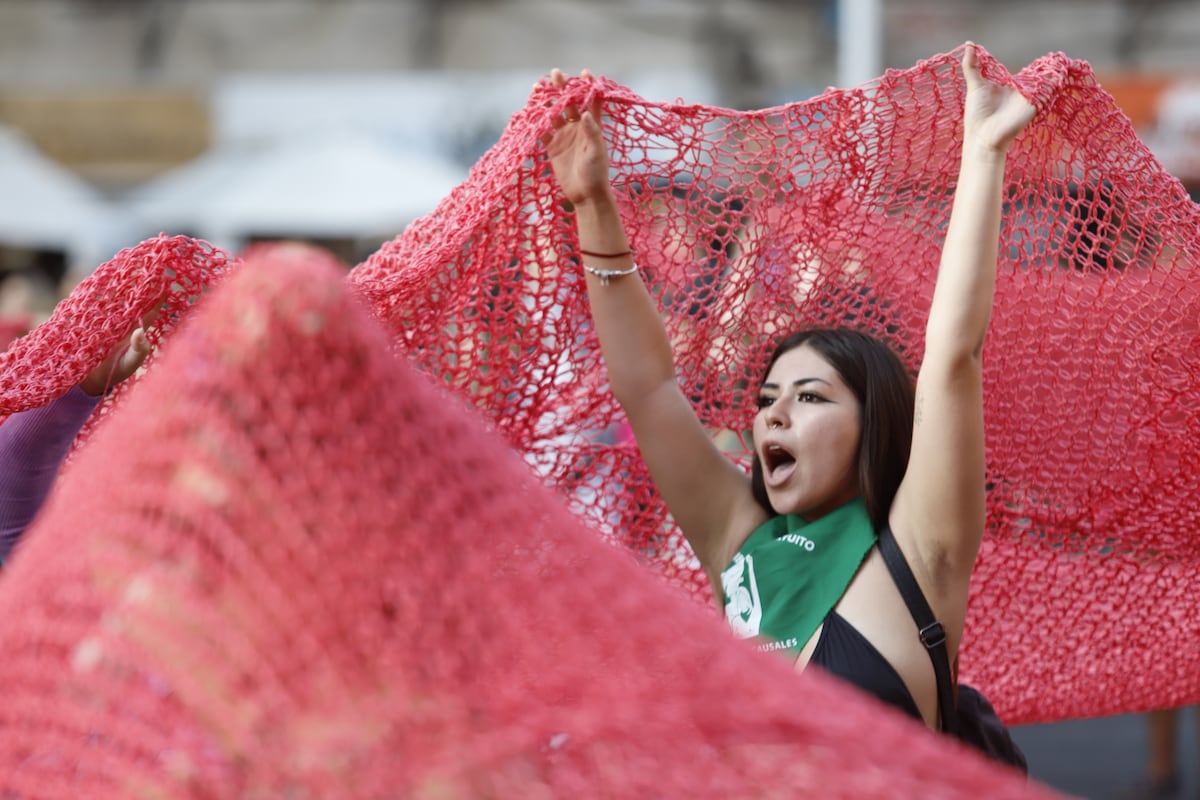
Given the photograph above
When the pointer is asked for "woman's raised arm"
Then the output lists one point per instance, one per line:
(939, 511)
(701, 488)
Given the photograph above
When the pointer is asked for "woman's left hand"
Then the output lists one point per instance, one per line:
(993, 114)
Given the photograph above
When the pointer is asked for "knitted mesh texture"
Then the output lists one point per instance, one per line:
(194, 609)
(290, 565)
(833, 211)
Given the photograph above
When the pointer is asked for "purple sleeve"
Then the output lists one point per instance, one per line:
(33, 445)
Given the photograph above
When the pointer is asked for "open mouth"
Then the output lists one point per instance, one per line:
(778, 464)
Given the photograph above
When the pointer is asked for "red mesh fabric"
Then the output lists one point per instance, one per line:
(748, 225)
(288, 566)
(832, 211)
(169, 273)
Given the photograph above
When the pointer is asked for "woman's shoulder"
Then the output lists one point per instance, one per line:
(750, 525)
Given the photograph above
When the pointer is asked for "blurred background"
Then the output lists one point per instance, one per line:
(341, 121)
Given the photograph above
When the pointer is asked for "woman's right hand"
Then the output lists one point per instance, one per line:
(578, 154)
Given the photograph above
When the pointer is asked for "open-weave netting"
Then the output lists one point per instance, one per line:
(747, 225)
(155, 283)
(832, 211)
(289, 566)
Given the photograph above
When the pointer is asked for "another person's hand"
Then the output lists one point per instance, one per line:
(577, 150)
(993, 114)
(123, 361)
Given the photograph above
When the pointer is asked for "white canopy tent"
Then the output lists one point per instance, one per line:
(47, 207)
(338, 156)
(174, 202)
(333, 185)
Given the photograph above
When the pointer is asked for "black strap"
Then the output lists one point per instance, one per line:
(932, 634)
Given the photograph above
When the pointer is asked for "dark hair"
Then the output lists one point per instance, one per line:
(885, 391)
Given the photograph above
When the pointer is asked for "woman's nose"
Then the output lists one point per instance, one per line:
(775, 417)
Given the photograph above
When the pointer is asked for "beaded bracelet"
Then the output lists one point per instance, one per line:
(605, 275)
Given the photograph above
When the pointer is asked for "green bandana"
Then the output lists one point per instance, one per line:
(789, 574)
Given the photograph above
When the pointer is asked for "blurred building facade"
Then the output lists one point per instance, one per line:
(118, 89)
(120, 92)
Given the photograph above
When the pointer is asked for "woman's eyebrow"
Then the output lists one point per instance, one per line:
(796, 383)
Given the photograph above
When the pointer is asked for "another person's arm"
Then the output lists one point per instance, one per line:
(34, 443)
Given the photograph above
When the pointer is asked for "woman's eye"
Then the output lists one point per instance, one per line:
(764, 401)
(808, 397)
